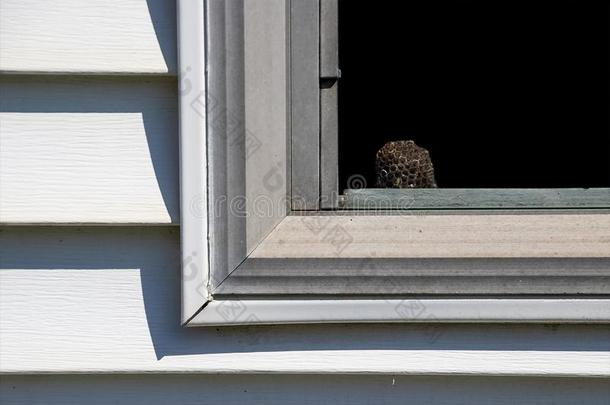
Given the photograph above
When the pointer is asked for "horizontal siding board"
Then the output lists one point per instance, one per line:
(106, 300)
(94, 36)
(88, 150)
(299, 390)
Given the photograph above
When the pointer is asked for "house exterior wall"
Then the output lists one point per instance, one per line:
(90, 253)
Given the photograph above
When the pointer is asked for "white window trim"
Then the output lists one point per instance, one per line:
(193, 160)
(238, 312)
(208, 297)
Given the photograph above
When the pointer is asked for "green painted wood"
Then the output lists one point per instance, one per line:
(450, 198)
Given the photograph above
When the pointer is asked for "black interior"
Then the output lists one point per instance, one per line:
(502, 93)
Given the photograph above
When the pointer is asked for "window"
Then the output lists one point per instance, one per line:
(510, 99)
(285, 247)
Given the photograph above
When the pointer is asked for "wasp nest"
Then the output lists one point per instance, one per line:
(403, 164)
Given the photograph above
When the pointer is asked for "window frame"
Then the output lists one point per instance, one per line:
(289, 268)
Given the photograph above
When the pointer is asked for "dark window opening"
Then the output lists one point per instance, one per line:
(510, 94)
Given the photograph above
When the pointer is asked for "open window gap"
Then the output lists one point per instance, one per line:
(503, 95)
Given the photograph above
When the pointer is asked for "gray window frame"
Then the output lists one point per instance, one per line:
(287, 268)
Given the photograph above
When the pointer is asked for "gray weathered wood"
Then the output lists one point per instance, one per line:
(235, 134)
(329, 39)
(305, 104)
(266, 117)
(390, 277)
(329, 125)
(247, 126)
(422, 198)
(434, 236)
(329, 150)
(225, 111)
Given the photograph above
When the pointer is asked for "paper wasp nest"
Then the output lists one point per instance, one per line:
(403, 164)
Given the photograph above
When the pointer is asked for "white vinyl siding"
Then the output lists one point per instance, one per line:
(300, 390)
(84, 37)
(88, 150)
